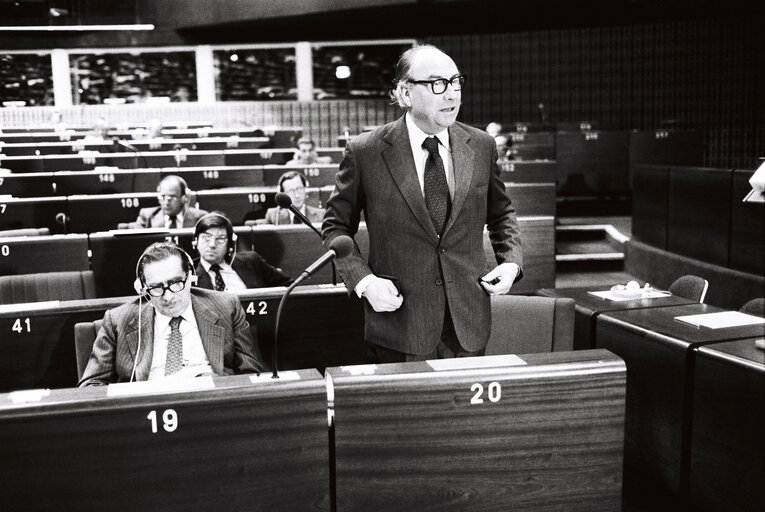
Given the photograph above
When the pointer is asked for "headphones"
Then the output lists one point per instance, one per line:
(203, 224)
(140, 286)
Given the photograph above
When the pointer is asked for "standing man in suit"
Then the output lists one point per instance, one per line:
(294, 184)
(179, 332)
(427, 186)
(173, 210)
(221, 267)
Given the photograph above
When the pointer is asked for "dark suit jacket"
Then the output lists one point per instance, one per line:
(223, 328)
(252, 269)
(378, 176)
(154, 218)
(280, 216)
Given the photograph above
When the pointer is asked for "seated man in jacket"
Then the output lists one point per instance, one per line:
(221, 267)
(173, 210)
(177, 332)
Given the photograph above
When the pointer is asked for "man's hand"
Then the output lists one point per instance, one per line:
(500, 279)
(383, 295)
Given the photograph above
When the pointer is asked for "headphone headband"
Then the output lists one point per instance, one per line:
(139, 284)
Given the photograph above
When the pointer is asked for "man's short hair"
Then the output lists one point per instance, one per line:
(160, 251)
(177, 179)
(288, 176)
(214, 219)
(306, 140)
(403, 67)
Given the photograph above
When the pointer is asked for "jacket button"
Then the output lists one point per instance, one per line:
(442, 250)
(439, 282)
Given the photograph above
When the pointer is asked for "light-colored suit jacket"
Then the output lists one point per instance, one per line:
(223, 328)
(378, 177)
(154, 218)
(279, 215)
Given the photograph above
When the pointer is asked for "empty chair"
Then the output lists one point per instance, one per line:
(73, 285)
(84, 336)
(25, 232)
(690, 287)
(530, 325)
(754, 307)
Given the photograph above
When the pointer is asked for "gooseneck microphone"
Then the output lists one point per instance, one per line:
(285, 201)
(340, 247)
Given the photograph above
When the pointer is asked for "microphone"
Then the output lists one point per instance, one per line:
(285, 201)
(339, 247)
(116, 141)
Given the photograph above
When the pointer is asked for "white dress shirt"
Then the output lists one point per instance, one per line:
(195, 360)
(230, 278)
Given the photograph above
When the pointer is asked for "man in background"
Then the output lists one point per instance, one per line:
(221, 267)
(306, 154)
(173, 210)
(294, 184)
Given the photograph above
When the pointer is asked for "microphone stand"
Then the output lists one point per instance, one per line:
(276, 325)
(307, 222)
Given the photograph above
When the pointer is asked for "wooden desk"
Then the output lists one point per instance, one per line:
(541, 435)
(320, 327)
(35, 254)
(528, 171)
(588, 307)
(728, 446)
(658, 351)
(237, 445)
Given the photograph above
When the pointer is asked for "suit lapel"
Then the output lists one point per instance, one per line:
(463, 158)
(143, 367)
(211, 333)
(400, 162)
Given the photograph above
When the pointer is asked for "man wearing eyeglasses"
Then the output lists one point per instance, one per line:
(179, 332)
(427, 186)
(294, 184)
(221, 267)
(173, 210)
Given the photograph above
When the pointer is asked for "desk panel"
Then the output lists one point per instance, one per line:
(592, 163)
(91, 213)
(658, 352)
(34, 254)
(698, 219)
(531, 199)
(650, 204)
(33, 212)
(109, 180)
(532, 146)
(528, 171)
(276, 156)
(669, 147)
(318, 175)
(243, 203)
(33, 184)
(235, 446)
(727, 462)
(480, 438)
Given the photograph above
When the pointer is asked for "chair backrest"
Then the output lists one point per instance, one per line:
(25, 232)
(84, 335)
(754, 307)
(530, 325)
(690, 287)
(73, 285)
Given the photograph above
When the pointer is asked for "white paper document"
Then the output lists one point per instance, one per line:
(721, 320)
(639, 294)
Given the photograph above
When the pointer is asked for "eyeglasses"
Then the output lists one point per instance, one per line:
(298, 190)
(438, 86)
(208, 239)
(173, 286)
(161, 198)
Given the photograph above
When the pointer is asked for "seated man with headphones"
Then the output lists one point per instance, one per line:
(173, 210)
(221, 268)
(179, 332)
(294, 184)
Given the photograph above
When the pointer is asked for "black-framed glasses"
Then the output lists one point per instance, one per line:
(438, 86)
(173, 286)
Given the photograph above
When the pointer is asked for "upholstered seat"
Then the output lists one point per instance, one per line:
(72, 285)
(530, 325)
(690, 287)
(754, 307)
(84, 336)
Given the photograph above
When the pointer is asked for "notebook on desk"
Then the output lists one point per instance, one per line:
(721, 319)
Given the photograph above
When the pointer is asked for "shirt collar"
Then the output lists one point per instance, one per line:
(417, 136)
(162, 321)
(206, 265)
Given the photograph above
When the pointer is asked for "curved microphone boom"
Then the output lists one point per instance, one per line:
(285, 201)
(340, 247)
